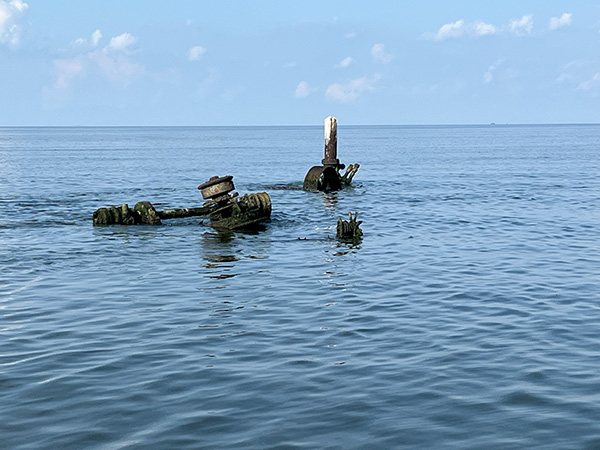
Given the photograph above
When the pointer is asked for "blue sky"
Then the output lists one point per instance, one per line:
(108, 62)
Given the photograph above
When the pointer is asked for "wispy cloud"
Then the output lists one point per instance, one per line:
(559, 22)
(196, 52)
(66, 70)
(12, 14)
(460, 28)
(96, 36)
(577, 73)
(303, 90)
(349, 91)
(380, 55)
(113, 61)
(208, 83)
(488, 76)
(344, 62)
(232, 93)
(93, 41)
(521, 26)
(592, 83)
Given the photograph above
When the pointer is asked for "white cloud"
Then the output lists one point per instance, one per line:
(11, 15)
(483, 29)
(462, 29)
(352, 89)
(521, 26)
(344, 62)
(350, 35)
(450, 30)
(196, 52)
(121, 42)
(562, 21)
(379, 54)
(489, 75)
(303, 90)
(113, 61)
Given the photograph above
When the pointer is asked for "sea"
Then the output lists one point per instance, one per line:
(468, 317)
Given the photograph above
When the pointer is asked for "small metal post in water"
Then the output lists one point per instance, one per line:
(330, 128)
(327, 176)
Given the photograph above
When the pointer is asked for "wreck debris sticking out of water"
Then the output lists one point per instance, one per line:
(326, 177)
(223, 209)
(226, 212)
(349, 230)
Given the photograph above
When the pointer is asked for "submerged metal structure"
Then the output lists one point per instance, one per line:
(222, 207)
(327, 177)
(225, 211)
(349, 231)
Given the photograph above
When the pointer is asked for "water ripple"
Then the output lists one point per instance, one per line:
(466, 316)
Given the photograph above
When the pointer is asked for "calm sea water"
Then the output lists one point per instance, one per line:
(468, 317)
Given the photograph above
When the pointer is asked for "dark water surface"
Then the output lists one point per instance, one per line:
(468, 318)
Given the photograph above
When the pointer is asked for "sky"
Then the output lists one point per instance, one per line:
(228, 62)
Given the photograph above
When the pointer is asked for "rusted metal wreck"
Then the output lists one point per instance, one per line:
(225, 211)
(327, 177)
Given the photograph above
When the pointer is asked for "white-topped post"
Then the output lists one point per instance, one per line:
(330, 127)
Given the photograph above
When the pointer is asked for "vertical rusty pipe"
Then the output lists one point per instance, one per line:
(330, 158)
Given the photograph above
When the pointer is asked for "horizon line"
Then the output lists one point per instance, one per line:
(315, 125)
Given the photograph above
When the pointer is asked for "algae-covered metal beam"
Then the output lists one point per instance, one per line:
(222, 208)
(179, 213)
(141, 213)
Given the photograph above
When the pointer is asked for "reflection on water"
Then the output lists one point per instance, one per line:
(220, 251)
(330, 200)
(218, 237)
(347, 247)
